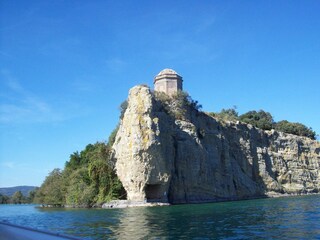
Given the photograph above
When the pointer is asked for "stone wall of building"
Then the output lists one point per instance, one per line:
(168, 81)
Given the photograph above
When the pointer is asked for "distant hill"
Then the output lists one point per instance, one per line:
(9, 191)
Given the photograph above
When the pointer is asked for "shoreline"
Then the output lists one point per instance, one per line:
(126, 204)
(118, 204)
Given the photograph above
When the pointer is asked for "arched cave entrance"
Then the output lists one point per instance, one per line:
(153, 192)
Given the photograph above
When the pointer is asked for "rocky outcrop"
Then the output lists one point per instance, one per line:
(198, 159)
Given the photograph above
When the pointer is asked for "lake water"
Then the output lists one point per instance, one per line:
(277, 218)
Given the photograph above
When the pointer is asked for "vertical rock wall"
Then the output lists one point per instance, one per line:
(142, 149)
(160, 158)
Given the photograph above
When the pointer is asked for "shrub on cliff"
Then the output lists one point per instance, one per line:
(112, 137)
(295, 128)
(259, 119)
(123, 107)
(178, 105)
(229, 114)
(264, 120)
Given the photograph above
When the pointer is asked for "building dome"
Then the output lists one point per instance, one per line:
(167, 71)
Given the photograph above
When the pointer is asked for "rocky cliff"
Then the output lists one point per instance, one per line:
(199, 159)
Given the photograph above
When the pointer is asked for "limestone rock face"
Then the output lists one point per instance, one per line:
(143, 148)
(199, 159)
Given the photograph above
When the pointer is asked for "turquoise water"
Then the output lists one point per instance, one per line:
(280, 218)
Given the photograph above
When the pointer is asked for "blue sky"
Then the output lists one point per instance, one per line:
(66, 66)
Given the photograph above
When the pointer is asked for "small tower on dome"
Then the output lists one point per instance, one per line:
(168, 81)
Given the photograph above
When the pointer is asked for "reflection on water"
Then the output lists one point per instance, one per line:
(283, 218)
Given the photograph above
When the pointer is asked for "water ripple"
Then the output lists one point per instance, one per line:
(281, 218)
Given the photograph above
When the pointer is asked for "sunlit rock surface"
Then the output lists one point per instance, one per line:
(199, 159)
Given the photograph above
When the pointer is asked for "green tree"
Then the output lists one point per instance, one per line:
(78, 160)
(103, 175)
(80, 192)
(74, 161)
(93, 180)
(295, 128)
(4, 199)
(89, 177)
(53, 189)
(261, 119)
(17, 198)
(31, 196)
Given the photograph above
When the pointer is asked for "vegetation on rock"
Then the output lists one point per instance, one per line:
(260, 119)
(295, 128)
(88, 178)
(178, 105)
(123, 108)
(52, 190)
(264, 120)
(229, 114)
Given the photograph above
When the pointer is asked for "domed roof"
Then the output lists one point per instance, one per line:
(167, 71)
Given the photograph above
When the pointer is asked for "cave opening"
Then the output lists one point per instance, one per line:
(153, 192)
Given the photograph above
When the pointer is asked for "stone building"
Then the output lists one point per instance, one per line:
(168, 81)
